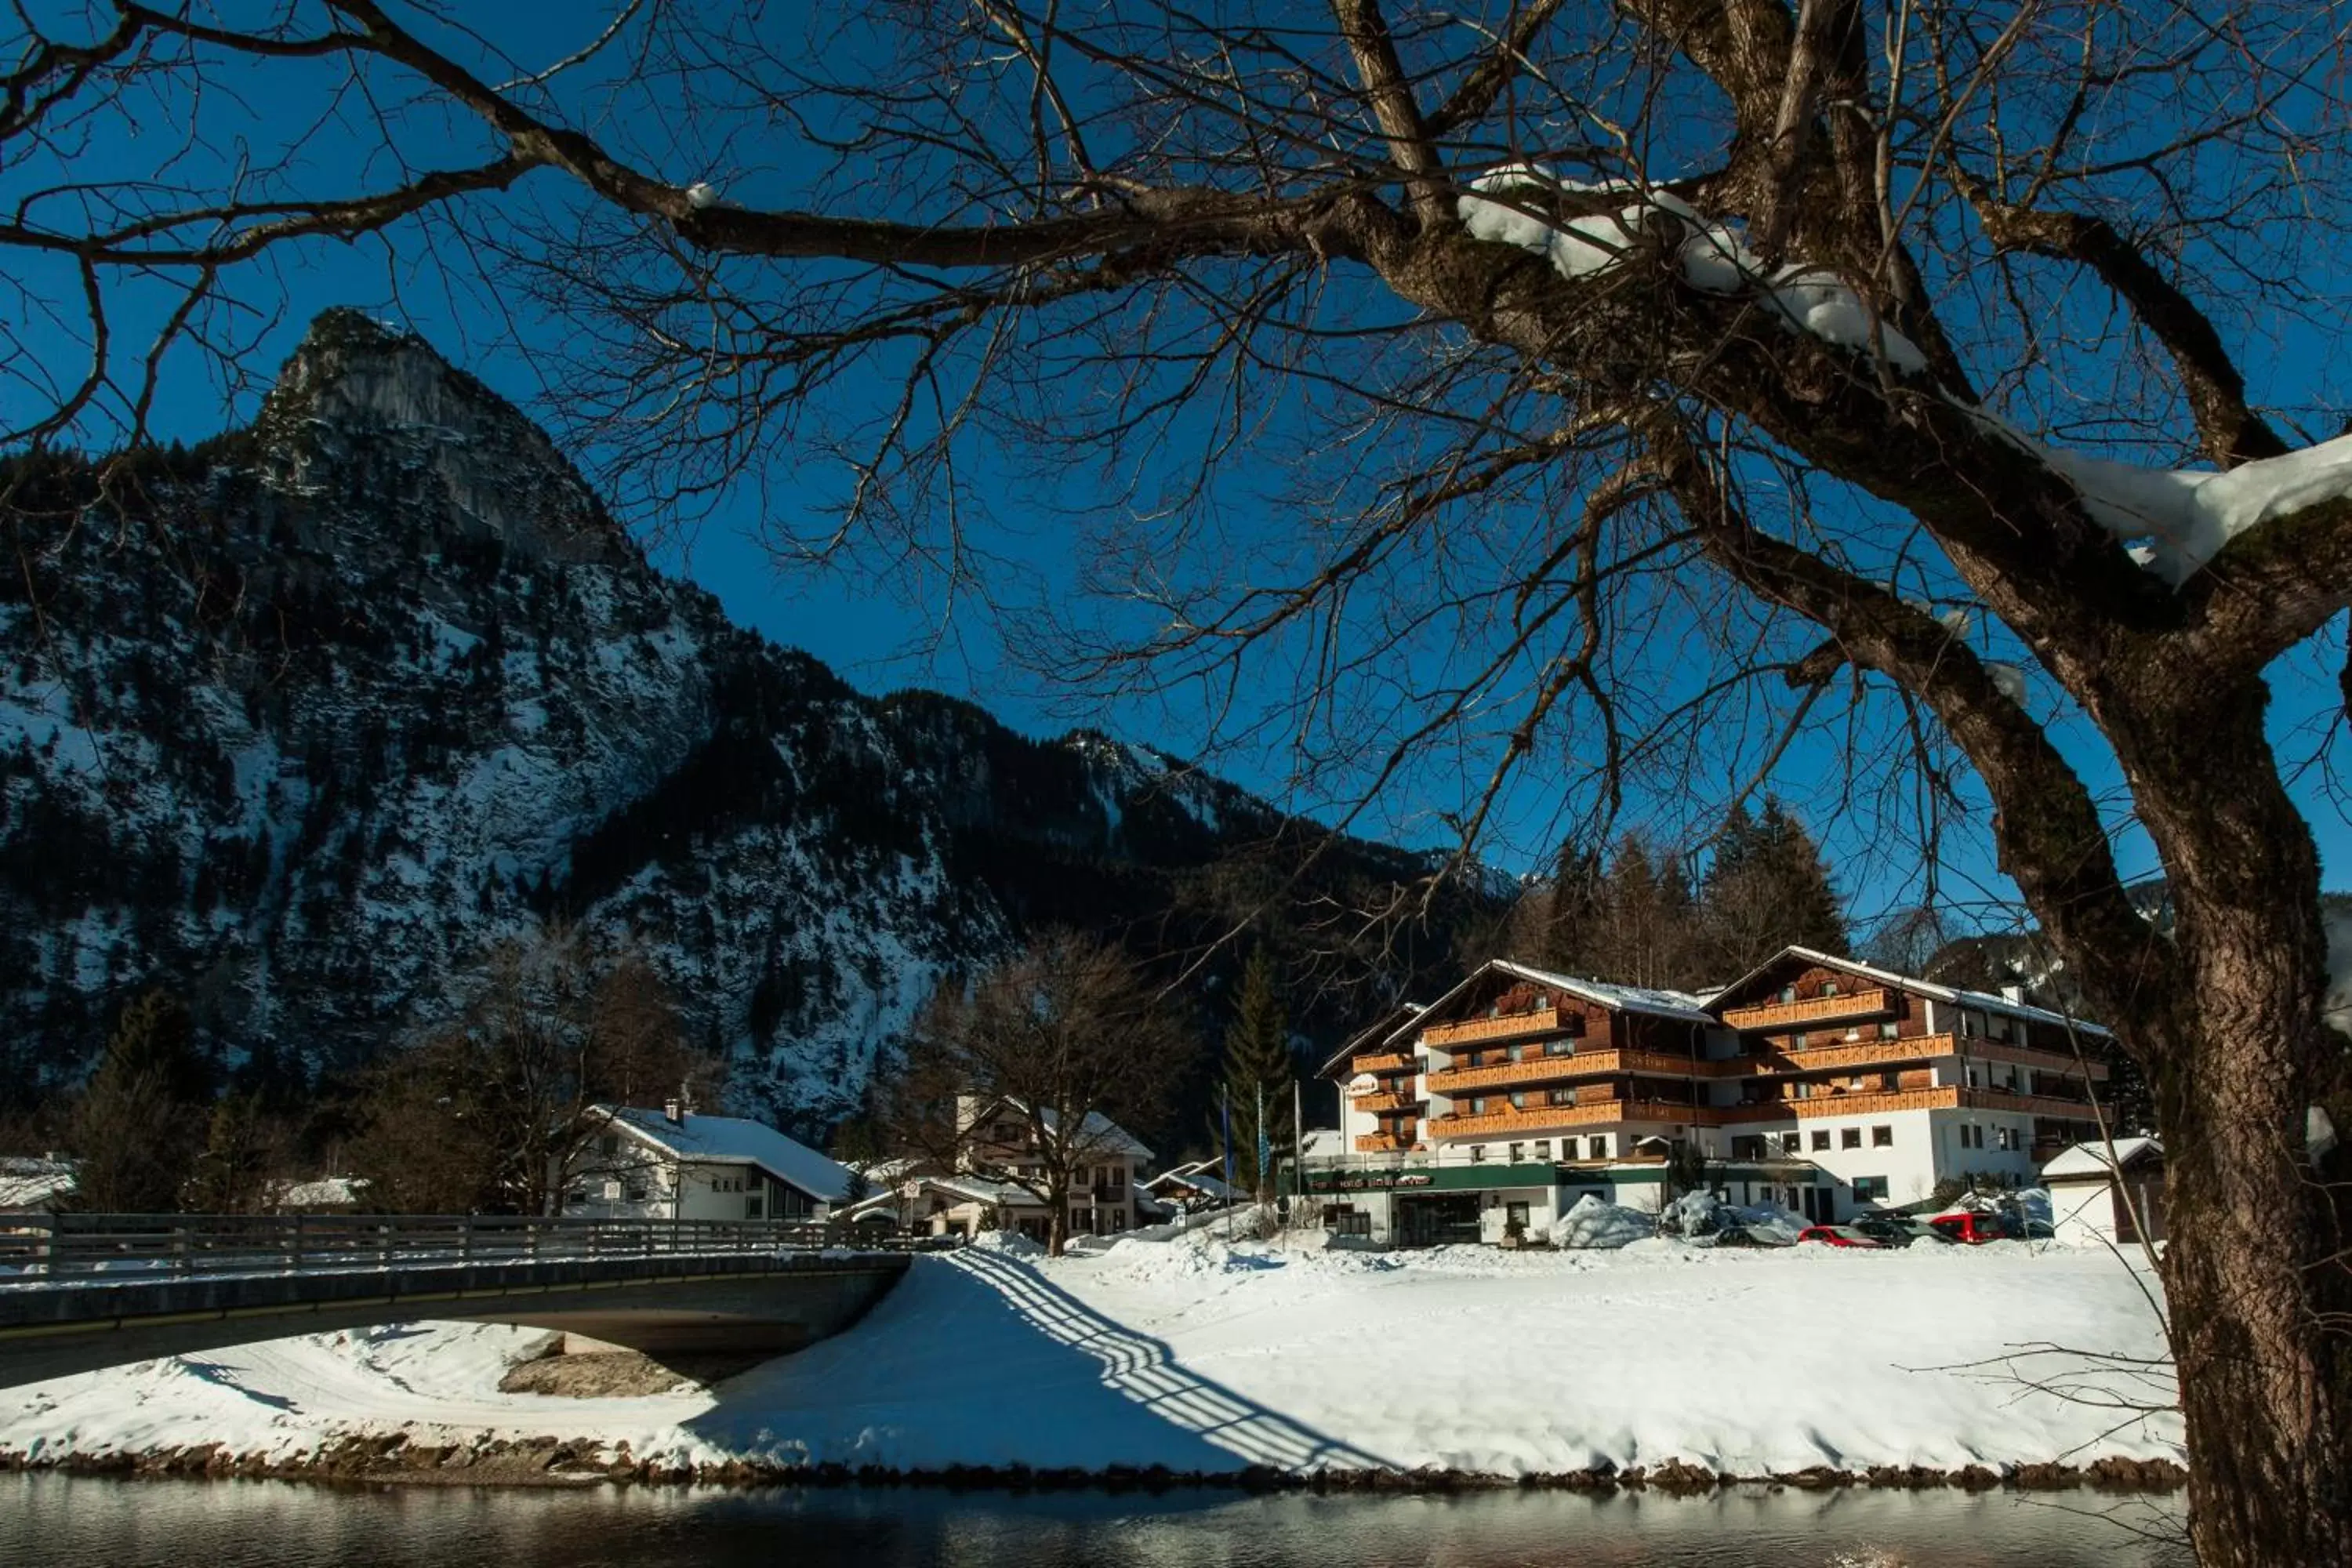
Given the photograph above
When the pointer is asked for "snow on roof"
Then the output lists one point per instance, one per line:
(1099, 1132)
(1649, 999)
(327, 1192)
(34, 1184)
(739, 1140)
(1196, 1174)
(2090, 1160)
(1953, 993)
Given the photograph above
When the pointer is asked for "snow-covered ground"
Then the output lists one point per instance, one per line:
(1201, 1355)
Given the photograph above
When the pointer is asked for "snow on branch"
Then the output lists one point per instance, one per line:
(1500, 207)
(2172, 521)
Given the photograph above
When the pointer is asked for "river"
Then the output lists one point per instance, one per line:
(64, 1522)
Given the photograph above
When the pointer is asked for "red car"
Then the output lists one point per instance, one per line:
(1971, 1227)
(1839, 1235)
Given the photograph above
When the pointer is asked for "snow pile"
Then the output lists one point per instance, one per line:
(1594, 1223)
(1499, 206)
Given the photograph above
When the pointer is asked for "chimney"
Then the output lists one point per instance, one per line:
(2014, 993)
(673, 1112)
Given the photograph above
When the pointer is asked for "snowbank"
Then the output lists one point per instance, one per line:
(1207, 1357)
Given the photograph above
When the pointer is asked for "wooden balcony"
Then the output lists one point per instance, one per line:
(1550, 1118)
(1579, 1064)
(1862, 1055)
(1394, 1061)
(1381, 1144)
(1806, 1010)
(1375, 1103)
(1543, 1021)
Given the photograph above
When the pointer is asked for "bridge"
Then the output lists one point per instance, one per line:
(80, 1291)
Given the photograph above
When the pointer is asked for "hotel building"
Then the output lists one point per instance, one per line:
(1814, 1082)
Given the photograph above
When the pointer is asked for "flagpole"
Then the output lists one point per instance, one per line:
(1225, 1092)
(1297, 1147)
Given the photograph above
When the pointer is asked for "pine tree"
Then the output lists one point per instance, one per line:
(1577, 904)
(1257, 1059)
(241, 1157)
(1765, 887)
(135, 1130)
(1645, 932)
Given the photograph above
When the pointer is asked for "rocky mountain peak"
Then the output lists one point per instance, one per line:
(361, 403)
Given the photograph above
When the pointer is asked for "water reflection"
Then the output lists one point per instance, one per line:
(72, 1522)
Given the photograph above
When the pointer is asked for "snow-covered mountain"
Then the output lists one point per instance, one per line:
(297, 723)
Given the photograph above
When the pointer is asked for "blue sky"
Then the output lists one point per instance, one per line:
(883, 631)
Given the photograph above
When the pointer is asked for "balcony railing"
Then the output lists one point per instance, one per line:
(1393, 1061)
(1809, 1010)
(1579, 1064)
(1544, 1118)
(1381, 1144)
(1544, 1020)
(1865, 1055)
(1380, 1102)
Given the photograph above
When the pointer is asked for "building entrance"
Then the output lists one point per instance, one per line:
(1435, 1221)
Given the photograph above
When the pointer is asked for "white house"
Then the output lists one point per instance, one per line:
(2094, 1197)
(673, 1163)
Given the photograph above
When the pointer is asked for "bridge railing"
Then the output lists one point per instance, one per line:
(61, 1246)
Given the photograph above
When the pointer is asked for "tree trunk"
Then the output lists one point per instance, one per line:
(2258, 1279)
(1058, 1215)
(2261, 1304)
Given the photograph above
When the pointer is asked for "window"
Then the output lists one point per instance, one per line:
(1821, 1140)
(1519, 1100)
(1519, 1151)
(1829, 987)
(1515, 1214)
(1849, 1137)
(1748, 1146)
(1881, 1137)
(1889, 1030)
(1599, 1147)
(1870, 1189)
(1478, 1153)
(1788, 994)
(1543, 1148)
(1797, 1041)
(1791, 1143)
(1971, 1024)
(1559, 1047)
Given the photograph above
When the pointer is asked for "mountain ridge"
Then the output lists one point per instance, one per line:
(296, 721)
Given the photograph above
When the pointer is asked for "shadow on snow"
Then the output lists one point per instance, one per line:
(977, 1358)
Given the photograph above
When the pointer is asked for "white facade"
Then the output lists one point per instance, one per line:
(682, 1166)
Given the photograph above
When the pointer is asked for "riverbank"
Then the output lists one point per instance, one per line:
(1188, 1363)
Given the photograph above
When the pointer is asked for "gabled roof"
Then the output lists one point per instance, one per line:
(1196, 1174)
(1678, 1005)
(1654, 1000)
(1399, 1015)
(2090, 1160)
(1099, 1132)
(1957, 996)
(739, 1140)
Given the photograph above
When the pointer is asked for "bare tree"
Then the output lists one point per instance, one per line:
(506, 1107)
(1652, 384)
(1026, 1078)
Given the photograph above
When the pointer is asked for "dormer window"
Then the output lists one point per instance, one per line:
(1829, 987)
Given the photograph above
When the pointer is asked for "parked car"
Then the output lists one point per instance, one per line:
(1898, 1230)
(1751, 1236)
(2040, 1230)
(1839, 1235)
(1971, 1227)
